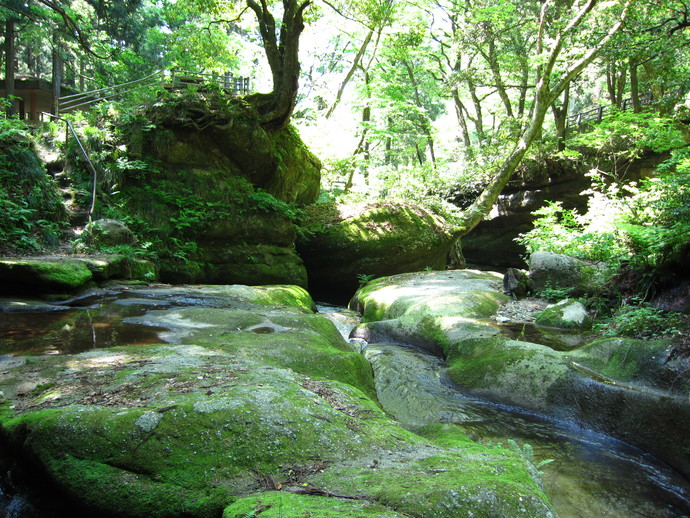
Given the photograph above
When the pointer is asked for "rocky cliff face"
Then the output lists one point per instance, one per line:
(344, 244)
(215, 134)
(221, 184)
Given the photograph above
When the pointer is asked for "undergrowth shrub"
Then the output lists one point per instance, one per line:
(32, 215)
(645, 224)
(640, 320)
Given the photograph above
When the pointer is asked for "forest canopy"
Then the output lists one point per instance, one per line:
(409, 98)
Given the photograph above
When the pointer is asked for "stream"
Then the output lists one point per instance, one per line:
(585, 474)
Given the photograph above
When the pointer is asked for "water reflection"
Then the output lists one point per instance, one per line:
(72, 331)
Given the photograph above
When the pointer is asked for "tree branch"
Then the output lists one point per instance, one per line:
(73, 27)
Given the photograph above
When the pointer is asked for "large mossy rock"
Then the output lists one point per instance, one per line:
(430, 310)
(566, 314)
(549, 270)
(109, 232)
(210, 132)
(631, 389)
(215, 190)
(252, 408)
(340, 244)
(56, 274)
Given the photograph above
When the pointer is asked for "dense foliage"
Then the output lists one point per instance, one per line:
(30, 204)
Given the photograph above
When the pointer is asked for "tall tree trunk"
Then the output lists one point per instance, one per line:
(57, 76)
(350, 73)
(425, 123)
(615, 83)
(282, 53)
(560, 116)
(479, 117)
(462, 122)
(389, 143)
(9, 65)
(363, 144)
(492, 60)
(635, 87)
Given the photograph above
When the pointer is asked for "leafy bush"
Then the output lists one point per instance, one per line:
(641, 320)
(656, 225)
(624, 136)
(592, 236)
(31, 209)
(646, 224)
(555, 294)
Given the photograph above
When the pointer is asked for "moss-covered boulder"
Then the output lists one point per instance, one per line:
(566, 314)
(627, 388)
(548, 270)
(209, 190)
(56, 274)
(253, 409)
(431, 310)
(341, 244)
(109, 232)
(207, 131)
(620, 387)
(43, 275)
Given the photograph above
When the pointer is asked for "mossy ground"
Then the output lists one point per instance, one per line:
(279, 504)
(249, 400)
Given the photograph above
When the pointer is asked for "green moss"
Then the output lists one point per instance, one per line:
(269, 295)
(485, 482)
(142, 270)
(339, 243)
(566, 314)
(50, 275)
(306, 343)
(279, 504)
(519, 372)
(298, 170)
(286, 295)
(444, 434)
(110, 491)
(625, 359)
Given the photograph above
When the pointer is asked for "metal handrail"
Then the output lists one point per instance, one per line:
(86, 156)
(578, 120)
(91, 92)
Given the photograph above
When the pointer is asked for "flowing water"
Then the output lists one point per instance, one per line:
(588, 475)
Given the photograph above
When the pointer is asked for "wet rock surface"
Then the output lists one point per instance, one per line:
(253, 395)
(627, 388)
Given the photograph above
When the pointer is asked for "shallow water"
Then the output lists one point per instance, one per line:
(96, 319)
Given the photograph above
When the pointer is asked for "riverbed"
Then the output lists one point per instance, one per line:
(585, 474)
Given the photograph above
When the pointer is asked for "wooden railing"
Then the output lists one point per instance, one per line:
(596, 115)
(236, 85)
(172, 80)
(581, 120)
